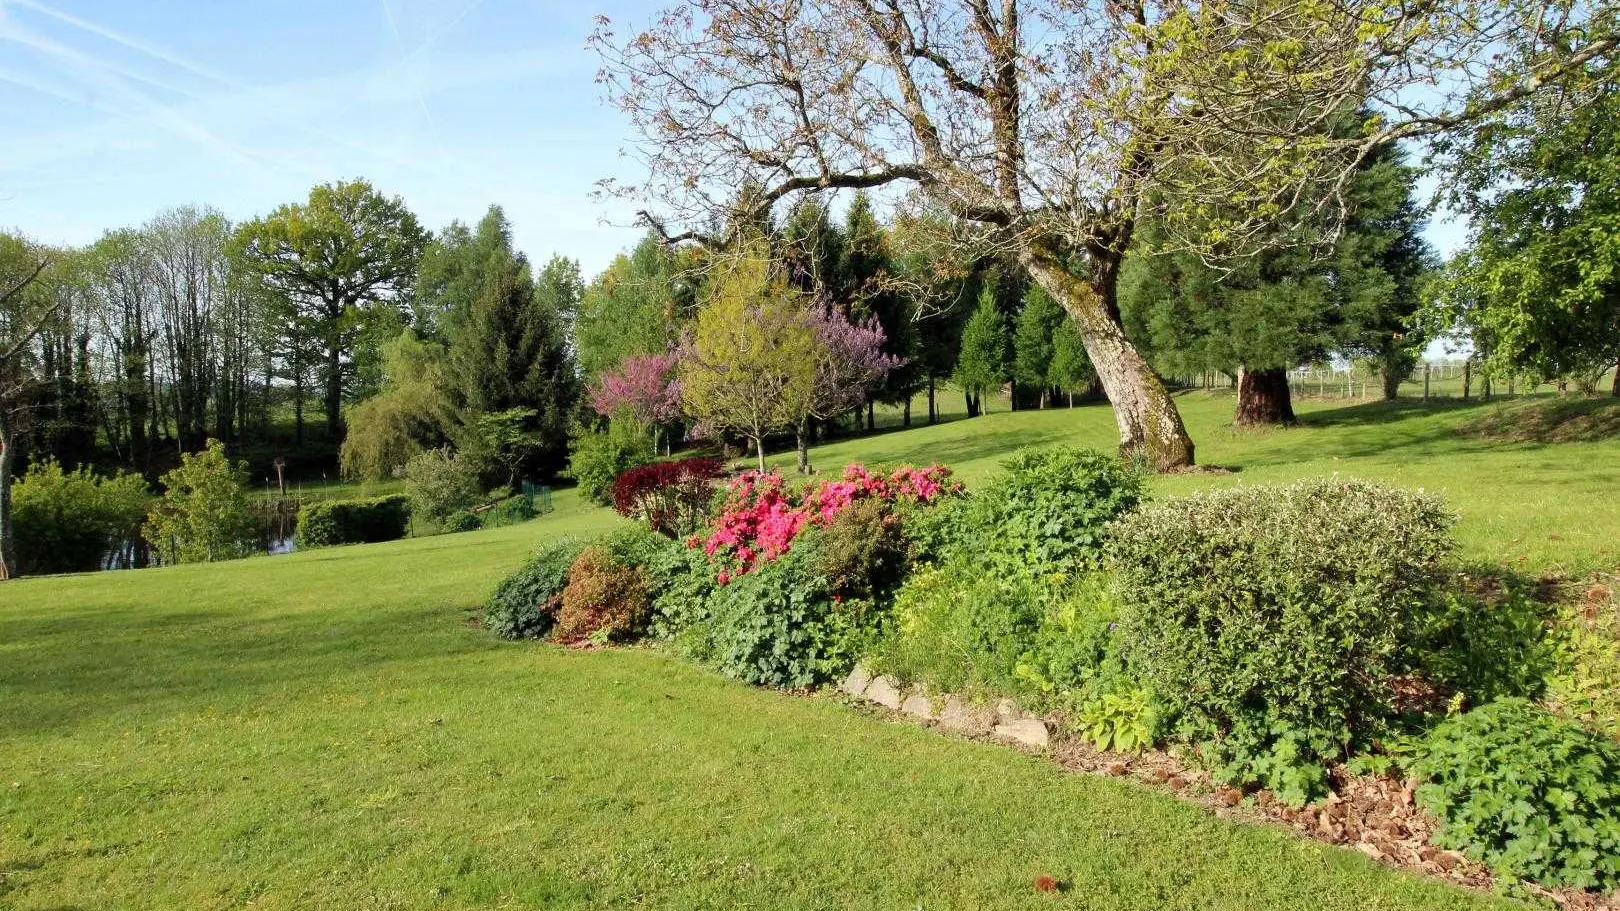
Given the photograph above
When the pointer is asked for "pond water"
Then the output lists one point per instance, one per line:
(277, 523)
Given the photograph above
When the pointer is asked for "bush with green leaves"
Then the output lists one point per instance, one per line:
(961, 629)
(440, 482)
(1048, 510)
(1484, 638)
(1075, 656)
(1530, 794)
(524, 605)
(205, 513)
(461, 520)
(68, 521)
(326, 523)
(1585, 682)
(779, 626)
(1277, 615)
(597, 457)
(606, 600)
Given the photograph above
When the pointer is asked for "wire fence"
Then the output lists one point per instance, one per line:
(1429, 380)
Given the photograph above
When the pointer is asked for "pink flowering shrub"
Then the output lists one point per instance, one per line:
(762, 516)
(644, 385)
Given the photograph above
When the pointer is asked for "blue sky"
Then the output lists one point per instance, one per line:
(115, 110)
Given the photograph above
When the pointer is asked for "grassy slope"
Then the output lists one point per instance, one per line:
(1535, 505)
(325, 731)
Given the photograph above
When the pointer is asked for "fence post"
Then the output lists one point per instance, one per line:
(1425, 382)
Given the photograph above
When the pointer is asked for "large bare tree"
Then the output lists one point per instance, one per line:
(1055, 124)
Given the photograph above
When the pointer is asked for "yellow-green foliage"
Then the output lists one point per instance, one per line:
(204, 513)
(751, 366)
(411, 413)
(67, 520)
(1587, 684)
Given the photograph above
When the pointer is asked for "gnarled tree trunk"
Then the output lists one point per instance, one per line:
(1150, 427)
(1263, 398)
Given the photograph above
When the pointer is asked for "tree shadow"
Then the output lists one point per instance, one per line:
(129, 660)
(1562, 420)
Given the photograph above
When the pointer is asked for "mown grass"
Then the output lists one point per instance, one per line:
(1538, 505)
(327, 729)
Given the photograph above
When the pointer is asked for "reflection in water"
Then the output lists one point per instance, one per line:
(277, 523)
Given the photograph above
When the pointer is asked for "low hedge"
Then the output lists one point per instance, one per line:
(327, 523)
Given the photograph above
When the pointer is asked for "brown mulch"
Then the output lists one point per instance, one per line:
(1375, 815)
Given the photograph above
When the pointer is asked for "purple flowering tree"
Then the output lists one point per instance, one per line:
(850, 363)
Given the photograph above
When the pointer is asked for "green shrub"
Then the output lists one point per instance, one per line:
(461, 520)
(1075, 656)
(598, 457)
(1275, 615)
(959, 628)
(937, 531)
(605, 600)
(325, 523)
(682, 580)
(524, 605)
(68, 521)
(1586, 679)
(440, 482)
(204, 513)
(1528, 793)
(1048, 510)
(1483, 640)
(778, 625)
(864, 553)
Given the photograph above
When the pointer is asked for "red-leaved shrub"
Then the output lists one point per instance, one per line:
(604, 601)
(672, 497)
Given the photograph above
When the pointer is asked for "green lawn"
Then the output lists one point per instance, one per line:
(326, 730)
(1536, 506)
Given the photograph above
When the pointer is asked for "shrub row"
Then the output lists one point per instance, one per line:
(1272, 632)
(326, 523)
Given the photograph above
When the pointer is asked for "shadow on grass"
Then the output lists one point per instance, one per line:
(1563, 420)
(130, 661)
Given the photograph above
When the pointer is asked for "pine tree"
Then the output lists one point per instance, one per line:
(506, 344)
(982, 364)
(868, 272)
(1071, 366)
(1034, 338)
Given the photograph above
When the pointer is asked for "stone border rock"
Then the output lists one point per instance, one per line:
(1004, 721)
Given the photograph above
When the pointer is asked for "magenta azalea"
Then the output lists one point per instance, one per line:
(761, 517)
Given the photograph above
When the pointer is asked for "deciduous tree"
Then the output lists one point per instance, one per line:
(22, 316)
(750, 365)
(342, 255)
(1052, 123)
(1538, 287)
